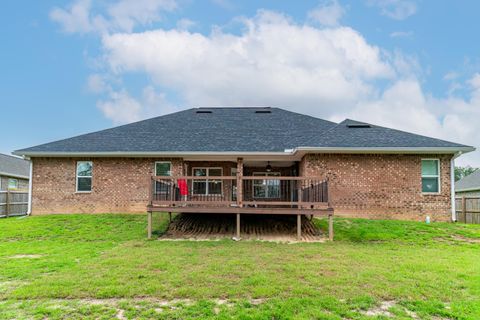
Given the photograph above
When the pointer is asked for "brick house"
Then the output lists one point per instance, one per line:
(246, 160)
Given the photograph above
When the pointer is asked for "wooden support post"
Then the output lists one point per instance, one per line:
(149, 225)
(238, 227)
(330, 226)
(170, 217)
(299, 227)
(240, 182)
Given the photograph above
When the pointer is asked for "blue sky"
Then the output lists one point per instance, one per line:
(71, 67)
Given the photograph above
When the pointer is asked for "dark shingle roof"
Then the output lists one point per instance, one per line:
(235, 130)
(13, 166)
(470, 182)
(350, 133)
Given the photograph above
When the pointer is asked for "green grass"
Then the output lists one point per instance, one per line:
(102, 266)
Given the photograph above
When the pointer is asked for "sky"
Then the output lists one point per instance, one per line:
(72, 67)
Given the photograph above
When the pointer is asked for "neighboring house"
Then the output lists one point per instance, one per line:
(469, 185)
(14, 185)
(246, 160)
(14, 173)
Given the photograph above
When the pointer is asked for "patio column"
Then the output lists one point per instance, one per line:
(240, 182)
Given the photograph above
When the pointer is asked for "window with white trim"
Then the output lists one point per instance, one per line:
(162, 169)
(430, 175)
(266, 188)
(207, 186)
(84, 176)
(12, 184)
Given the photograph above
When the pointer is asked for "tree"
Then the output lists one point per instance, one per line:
(461, 172)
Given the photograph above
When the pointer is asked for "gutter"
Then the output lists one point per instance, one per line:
(30, 183)
(6, 174)
(287, 152)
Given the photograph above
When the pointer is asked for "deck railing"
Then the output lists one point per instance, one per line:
(244, 191)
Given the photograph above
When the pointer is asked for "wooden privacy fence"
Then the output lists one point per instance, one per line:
(468, 209)
(13, 203)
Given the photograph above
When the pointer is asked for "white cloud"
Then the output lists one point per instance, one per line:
(395, 9)
(273, 62)
(97, 84)
(328, 13)
(121, 107)
(121, 15)
(74, 19)
(185, 24)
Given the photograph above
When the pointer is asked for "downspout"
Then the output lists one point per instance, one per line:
(30, 182)
(452, 185)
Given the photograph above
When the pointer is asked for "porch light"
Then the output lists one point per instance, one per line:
(268, 168)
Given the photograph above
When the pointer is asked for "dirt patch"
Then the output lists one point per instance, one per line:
(26, 256)
(465, 239)
(381, 310)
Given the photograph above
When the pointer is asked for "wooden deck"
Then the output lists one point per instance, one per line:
(254, 227)
(241, 195)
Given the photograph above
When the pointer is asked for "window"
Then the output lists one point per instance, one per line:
(162, 169)
(430, 176)
(207, 186)
(84, 176)
(266, 188)
(12, 184)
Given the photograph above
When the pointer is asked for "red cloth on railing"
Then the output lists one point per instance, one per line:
(182, 185)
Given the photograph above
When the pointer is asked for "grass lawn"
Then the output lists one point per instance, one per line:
(102, 267)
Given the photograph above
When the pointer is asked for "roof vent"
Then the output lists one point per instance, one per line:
(263, 111)
(204, 111)
(356, 124)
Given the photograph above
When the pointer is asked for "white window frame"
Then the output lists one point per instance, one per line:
(438, 175)
(8, 184)
(159, 162)
(77, 176)
(206, 181)
(268, 174)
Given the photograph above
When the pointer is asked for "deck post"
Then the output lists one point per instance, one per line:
(299, 226)
(170, 217)
(149, 225)
(240, 182)
(330, 226)
(238, 227)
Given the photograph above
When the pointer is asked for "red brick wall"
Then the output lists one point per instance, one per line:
(380, 186)
(118, 185)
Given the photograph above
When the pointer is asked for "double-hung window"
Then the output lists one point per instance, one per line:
(268, 188)
(207, 186)
(430, 176)
(84, 176)
(162, 169)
